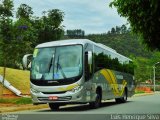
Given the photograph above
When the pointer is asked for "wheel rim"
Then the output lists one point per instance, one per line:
(98, 100)
(126, 96)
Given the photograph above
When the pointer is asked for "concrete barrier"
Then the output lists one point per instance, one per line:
(10, 87)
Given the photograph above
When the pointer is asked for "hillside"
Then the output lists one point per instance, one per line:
(18, 78)
(130, 45)
(126, 44)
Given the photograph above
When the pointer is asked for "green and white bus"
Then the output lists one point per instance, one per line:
(78, 71)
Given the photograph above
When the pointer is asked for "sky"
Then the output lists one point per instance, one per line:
(92, 16)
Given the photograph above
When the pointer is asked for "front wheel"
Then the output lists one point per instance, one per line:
(54, 106)
(97, 102)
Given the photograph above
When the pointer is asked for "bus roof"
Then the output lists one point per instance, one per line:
(64, 42)
(78, 41)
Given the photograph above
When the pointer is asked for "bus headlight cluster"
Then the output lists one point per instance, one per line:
(76, 89)
(34, 91)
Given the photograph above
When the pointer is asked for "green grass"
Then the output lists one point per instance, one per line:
(139, 92)
(16, 100)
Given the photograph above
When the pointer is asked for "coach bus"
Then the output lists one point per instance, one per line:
(78, 71)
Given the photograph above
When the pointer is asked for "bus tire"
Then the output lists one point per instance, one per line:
(125, 96)
(97, 102)
(54, 106)
(122, 99)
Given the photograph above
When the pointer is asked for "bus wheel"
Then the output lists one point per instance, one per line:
(122, 99)
(125, 97)
(97, 102)
(54, 106)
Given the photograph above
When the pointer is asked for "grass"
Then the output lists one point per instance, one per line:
(18, 78)
(139, 92)
(16, 100)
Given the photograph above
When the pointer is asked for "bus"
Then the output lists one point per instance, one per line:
(78, 71)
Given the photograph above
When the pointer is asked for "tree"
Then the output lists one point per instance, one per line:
(49, 26)
(118, 29)
(144, 18)
(77, 33)
(24, 11)
(109, 32)
(113, 31)
(25, 37)
(18, 37)
(19, 41)
(6, 26)
(123, 29)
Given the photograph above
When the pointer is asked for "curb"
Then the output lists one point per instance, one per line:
(143, 94)
(16, 108)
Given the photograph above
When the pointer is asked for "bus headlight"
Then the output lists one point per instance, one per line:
(34, 91)
(76, 89)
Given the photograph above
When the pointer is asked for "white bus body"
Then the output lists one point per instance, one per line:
(79, 71)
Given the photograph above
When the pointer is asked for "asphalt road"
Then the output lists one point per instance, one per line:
(148, 105)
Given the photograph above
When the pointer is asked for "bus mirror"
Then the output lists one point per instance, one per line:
(88, 65)
(26, 61)
(90, 57)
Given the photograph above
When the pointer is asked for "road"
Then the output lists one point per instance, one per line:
(149, 104)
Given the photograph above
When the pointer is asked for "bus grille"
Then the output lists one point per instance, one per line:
(54, 92)
(67, 98)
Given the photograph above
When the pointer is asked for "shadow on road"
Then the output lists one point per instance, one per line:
(83, 107)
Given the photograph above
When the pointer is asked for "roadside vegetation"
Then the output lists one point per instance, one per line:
(20, 36)
(20, 100)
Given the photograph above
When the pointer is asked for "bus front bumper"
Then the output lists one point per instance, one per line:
(77, 96)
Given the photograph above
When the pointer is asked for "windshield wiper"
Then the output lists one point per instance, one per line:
(59, 67)
(50, 64)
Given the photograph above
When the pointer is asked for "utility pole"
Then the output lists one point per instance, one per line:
(154, 75)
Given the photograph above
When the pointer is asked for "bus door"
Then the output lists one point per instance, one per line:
(88, 67)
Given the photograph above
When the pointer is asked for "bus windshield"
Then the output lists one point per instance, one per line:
(57, 63)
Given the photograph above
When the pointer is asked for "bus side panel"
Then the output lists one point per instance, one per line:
(113, 83)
